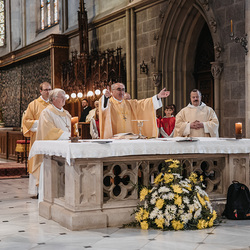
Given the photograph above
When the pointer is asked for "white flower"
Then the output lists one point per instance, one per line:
(184, 183)
(197, 213)
(176, 176)
(145, 205)
(191, 207)
(153, 201)
(185, 190)
(167, 223)
(182, 206)
(164, 189)
(181, 211)
(160, 215)
(154, 213)
(170, 196)
(154, 194)
(186, 200)
(165, 197)
(209, 207)
(169, 217)
(173, 208)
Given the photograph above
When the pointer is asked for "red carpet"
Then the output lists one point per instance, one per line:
(12, 170)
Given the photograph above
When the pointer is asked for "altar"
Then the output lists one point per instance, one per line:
(93, 183)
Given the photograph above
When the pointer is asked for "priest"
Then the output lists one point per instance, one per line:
(197, 119)
(54, 124)
(32, 114)
(118, 115)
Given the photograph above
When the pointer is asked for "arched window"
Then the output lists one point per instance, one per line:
(2, 23)
(48, 13)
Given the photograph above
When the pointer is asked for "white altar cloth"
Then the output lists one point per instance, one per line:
(112, 148)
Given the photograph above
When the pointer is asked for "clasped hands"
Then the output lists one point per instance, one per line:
(196, 125)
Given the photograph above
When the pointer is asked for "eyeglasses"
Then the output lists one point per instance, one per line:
(120, 90)
(62, 96)
(46, 89)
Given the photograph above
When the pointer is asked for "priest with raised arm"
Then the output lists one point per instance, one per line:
(118, 115)
(196, 119)
(54, 124)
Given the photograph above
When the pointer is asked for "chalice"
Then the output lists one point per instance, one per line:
(140, 125)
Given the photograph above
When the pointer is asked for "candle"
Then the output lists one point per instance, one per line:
(74, 126)
(231, 26)
(238, 128)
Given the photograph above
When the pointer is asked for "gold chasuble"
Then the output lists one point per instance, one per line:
(119, 117)
(53, 125)
(31, 116)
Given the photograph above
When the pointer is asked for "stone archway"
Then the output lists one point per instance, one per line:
(181, 27)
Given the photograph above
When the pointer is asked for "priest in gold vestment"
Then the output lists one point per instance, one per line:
(32, 114)
(54, 124)
(118, 115)
(197, 119)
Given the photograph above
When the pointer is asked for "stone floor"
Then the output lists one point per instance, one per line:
(21, 227)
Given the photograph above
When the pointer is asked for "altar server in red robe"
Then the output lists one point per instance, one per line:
(168, 122)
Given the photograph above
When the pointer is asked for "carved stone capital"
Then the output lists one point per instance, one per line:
(205, 4)
(216, 69)
(213, 24)
(217, 50)
(157, 78)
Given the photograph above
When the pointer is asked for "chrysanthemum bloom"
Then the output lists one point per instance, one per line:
(177, 225)
(211, 222)
(202, 224)
(177, 189)
(159, 203)
(159, 222)
(201, 200)
(158, 178)
(193, 177)
(145, 214)
(214, 215)
(177, 200)
(168, 178)
(173, 165)
(138, 216)
(144, 225)
(143, 194)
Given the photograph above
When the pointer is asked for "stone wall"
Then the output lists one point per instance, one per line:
(233, 77)
(20, 85)
(148, 23)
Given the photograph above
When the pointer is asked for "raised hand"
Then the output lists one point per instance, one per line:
(163, 93)
(107, 92)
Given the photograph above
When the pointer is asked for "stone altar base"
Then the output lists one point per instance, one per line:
(97, 193)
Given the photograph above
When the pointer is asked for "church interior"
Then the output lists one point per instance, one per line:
(83, 47)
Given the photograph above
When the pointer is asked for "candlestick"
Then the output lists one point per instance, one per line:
(238, 130)
(231, 26)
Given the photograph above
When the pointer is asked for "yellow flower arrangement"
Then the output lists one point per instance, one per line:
(168, 178)
(144, 225)
(158, 178)
(159, 222)
(177, 225)
(159, 203)
(143, 194)
(172, 202)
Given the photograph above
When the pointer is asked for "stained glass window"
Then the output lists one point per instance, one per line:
(49, 13)
(2, 23)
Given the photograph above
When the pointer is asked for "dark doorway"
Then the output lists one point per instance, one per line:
(202, 70)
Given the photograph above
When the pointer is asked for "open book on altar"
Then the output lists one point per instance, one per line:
(126, 136)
